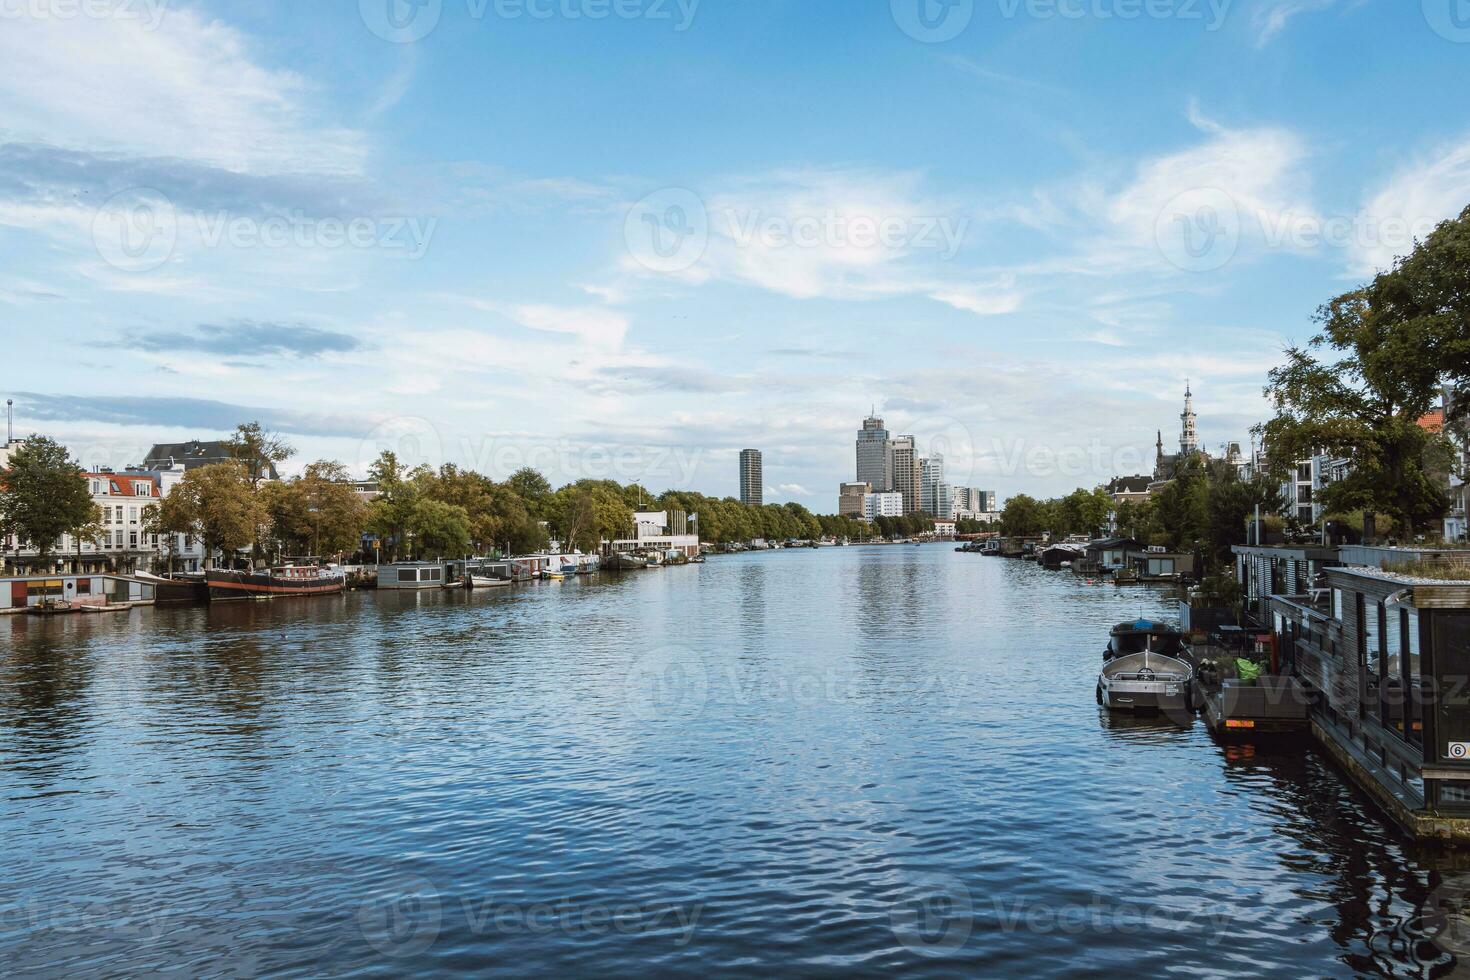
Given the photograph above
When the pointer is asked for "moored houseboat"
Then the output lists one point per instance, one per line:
(289, 580)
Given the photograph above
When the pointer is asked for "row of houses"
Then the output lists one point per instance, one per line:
(125, 499)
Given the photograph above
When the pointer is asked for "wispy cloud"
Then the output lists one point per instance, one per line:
(1271, 17)
(189, 413)
(195, 89)
(250, 339)
(1429, 190)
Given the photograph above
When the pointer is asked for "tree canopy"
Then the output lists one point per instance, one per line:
(43, 495)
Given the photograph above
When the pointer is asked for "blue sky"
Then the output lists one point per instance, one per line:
(628, 238)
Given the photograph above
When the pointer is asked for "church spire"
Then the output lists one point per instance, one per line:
(1189, 434)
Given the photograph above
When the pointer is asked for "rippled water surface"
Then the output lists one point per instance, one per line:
(852, 760)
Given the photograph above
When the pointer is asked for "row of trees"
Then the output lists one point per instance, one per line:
(235, 506)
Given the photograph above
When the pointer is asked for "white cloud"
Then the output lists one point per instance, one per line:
(192, 90)
(831, 233)
(596, 326)
(1272, 16)
(981, 301)
(1260, 170)
(792, 490)
(1416, 198)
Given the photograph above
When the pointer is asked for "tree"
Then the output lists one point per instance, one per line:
(439, 529)
(260, 452)
(1426, 299)
(1022, 516)
(317, 513)
(533, 489)
(588, 512)
(43, 495)
(216, 504)
(391, 512)
(1365, 404)
(92, 530)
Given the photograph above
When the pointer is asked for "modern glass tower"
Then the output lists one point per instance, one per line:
(873, 466)
(752, 478)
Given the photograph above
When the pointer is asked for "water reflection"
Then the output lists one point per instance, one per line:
(798, 745)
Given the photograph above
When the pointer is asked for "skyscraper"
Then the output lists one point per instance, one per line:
(903, 466)
(872, 455)
(931, 476)
(752, 478)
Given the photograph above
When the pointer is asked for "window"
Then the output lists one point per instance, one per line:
(1304, 472)
(133, 539)
(142, 489)
(132, 515)
(1370, 658)
(96, 487)
(1409, 665)
(1304, 494)
(408, 575)
(1337, 604)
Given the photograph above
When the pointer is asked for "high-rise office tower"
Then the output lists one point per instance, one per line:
(872, 455)
(752, 478)
(903, 464)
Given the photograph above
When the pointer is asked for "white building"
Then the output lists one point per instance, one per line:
(655, 531)
(876, 505)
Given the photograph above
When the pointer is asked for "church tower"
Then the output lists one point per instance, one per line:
(1189, 437)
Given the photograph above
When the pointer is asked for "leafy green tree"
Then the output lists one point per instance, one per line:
(439, 529)
(391, 512)
(217, 505)
(318, 512)
(533, 489)
(1424, 302)
(1364, 401)
(1023, 516)
(260, 452)
(43, 495)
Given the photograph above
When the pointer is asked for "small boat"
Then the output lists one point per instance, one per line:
(551, 576)
(484, 582)
(111, 607)
(624, 562)
(52, 607)
(1146, 681)
(1143, 635)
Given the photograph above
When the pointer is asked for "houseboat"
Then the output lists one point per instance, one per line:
(70, 592)
(412, 576)
(288, 580)
(1380, 639)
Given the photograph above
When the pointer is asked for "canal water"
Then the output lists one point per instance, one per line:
(842, 761)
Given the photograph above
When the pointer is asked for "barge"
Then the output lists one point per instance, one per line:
(291, 580)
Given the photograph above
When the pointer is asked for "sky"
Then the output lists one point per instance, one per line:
(626, 239)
